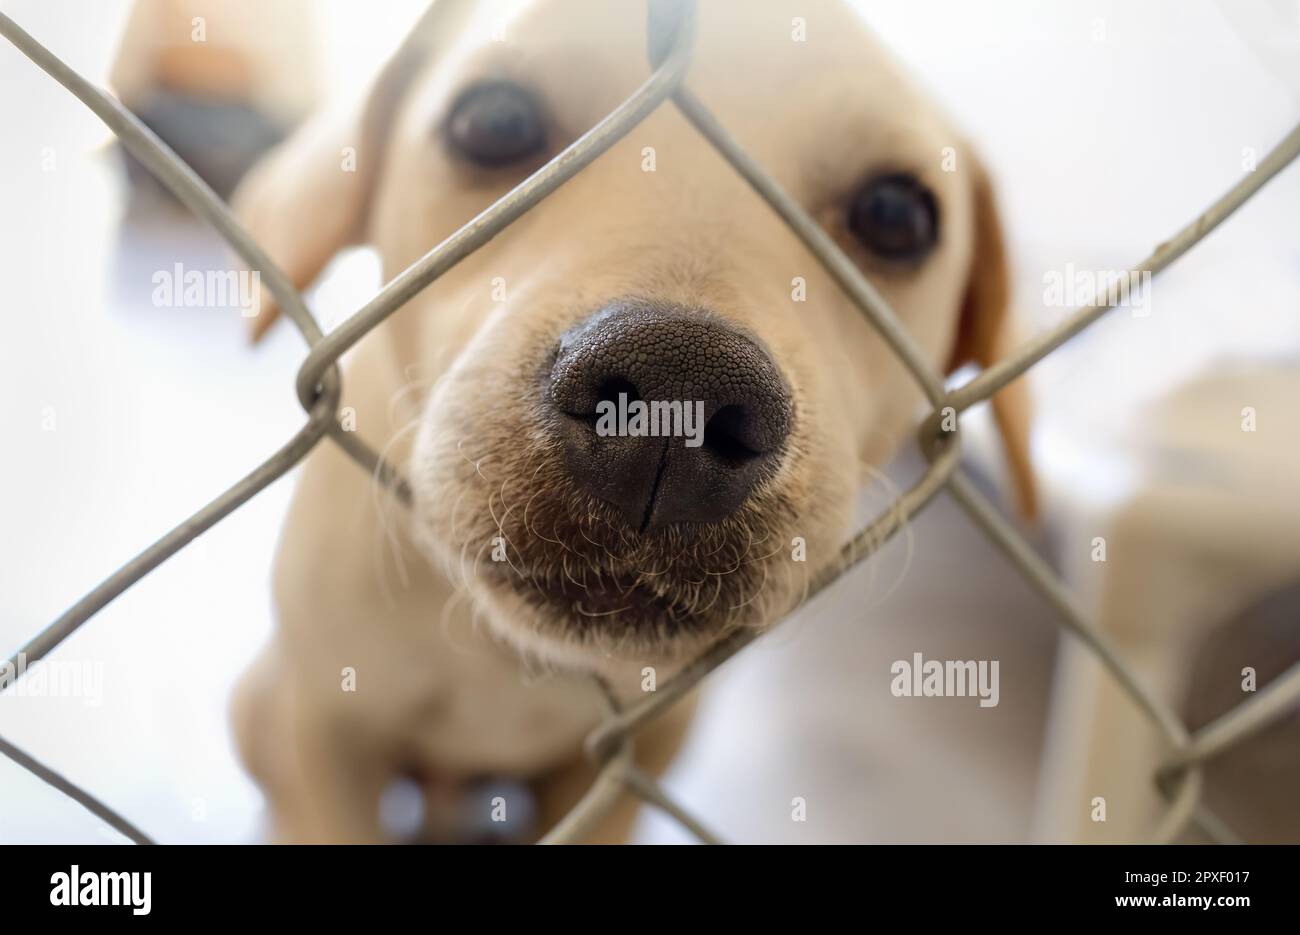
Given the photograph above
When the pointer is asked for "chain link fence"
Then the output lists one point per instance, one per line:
(671, 34)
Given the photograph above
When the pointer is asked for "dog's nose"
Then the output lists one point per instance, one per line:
(667, 413)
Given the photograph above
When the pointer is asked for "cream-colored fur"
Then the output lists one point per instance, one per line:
(457, 673)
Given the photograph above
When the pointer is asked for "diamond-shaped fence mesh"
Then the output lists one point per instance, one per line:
(671, 32)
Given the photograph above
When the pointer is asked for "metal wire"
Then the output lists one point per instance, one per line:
(74, 792)
(671, 34)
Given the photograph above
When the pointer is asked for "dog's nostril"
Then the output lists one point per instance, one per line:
(609, 390)
(725, 435)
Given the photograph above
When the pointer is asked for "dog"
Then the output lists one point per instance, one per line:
(440, 643)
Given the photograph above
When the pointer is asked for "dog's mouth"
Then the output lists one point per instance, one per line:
(594, 598)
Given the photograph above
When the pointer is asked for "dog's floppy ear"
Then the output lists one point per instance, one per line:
(310, 196)
(987, 331)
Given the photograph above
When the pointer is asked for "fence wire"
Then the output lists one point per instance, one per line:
(671, 36)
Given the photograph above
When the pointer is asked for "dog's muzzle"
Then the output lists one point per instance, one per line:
(669, 414)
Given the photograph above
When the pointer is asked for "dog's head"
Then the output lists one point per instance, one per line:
(584, 524)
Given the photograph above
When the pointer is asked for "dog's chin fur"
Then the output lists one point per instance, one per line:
(557, 572)
(570, 581)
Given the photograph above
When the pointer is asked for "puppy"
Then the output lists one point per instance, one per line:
(438, 643)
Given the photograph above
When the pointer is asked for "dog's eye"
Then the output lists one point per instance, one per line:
(496, 123)
(895, 217)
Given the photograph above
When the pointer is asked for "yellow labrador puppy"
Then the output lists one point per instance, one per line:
(555, 533)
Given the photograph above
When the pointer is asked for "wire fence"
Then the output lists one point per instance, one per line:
(670, 45)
